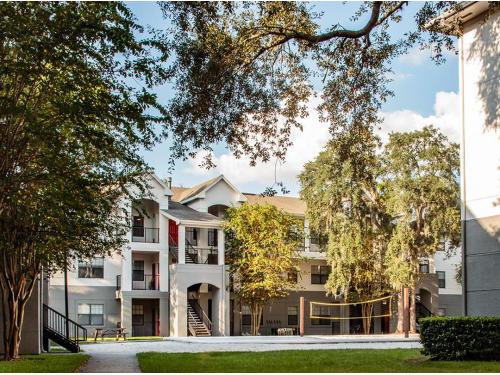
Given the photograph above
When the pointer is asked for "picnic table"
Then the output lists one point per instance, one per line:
(119, 332)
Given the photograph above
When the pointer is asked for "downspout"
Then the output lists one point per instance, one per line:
(463, 179)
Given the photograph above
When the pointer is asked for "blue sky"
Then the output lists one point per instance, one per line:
(425, 93)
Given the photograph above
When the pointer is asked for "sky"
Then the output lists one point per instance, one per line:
(425, 94)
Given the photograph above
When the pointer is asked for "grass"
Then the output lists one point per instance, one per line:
(339, 360)
(45, 363)
(90, 340)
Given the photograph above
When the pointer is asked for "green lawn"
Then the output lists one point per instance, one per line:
(45, 363)
(339, 360)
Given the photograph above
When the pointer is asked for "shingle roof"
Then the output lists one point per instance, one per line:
(181, 194)
(185, 213)
(291, 205)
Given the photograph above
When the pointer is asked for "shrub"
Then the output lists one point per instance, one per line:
(459, 338)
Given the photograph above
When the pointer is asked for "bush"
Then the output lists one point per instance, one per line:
(459, 338)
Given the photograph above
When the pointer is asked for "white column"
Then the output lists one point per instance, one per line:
(307, 235)
(163, 225)
(126, 314)
(164, 314)
(163, 259)
(220, 247)
(182, 244)
(126, 269)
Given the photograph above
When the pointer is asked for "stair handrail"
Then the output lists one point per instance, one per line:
(57, 322)
(173, 244)
(420, 305)
(204, 318)
(193, 255)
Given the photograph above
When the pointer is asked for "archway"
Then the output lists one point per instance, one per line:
(205, 310)
(218, 210)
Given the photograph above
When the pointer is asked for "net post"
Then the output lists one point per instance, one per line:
(406, 311)
(301, 322)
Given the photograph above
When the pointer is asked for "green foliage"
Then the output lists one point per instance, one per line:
(341, 190)
(460, 338)
(422, 194)
(261, 248)
(246, 70)
(70, 128)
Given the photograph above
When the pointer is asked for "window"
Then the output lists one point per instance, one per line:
(319, 274)
(246, 315)
(212, 237)
(138, 315)
(321, 311)
(192, 236)
(293, 277)
(441, 279)
(138, 270)
(424, 266)
(90, 314)
(93, 269)
(441, 311)
(293, 315)
(320, 240)
(138, 226)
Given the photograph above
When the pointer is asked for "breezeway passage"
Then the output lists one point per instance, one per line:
(121, 356)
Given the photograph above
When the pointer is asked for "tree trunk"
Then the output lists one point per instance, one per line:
(14, 299)
(367, 311)
(399, 328)
(256, 316)
(413, 311)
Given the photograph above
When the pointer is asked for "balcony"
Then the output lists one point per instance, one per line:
(146, 282)
(145, 235)
(200, 255)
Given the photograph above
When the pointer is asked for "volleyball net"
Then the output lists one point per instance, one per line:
(382, 307)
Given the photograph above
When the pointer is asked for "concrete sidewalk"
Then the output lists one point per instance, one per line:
(121, 356)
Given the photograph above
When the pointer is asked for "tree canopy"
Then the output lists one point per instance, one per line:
(262, 245)
(245, 71)
(71, 126)
(383, 208)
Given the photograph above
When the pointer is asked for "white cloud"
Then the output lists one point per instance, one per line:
(309, 142)
(446, 118)
(306, 145)
(417, 56)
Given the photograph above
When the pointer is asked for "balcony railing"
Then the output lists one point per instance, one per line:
(199, 255)
(147, 235)
(148, 282)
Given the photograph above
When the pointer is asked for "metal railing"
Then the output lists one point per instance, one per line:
(67, 328)
(173, 248)
(201, 255)
(149, 282)
(147, 235)
(201, 314)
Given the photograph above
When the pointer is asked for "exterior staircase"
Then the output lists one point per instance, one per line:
(198, 322)
(61, 330)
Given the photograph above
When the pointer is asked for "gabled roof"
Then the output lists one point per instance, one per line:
(168, 191)
(185, 195)
(291, 205)
(184, 214)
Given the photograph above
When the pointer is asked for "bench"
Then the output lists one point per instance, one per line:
(285, 331)
(118, 332)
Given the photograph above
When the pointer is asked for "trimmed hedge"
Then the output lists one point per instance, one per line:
(460, 338)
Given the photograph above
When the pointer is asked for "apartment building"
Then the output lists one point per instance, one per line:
(171, 278)
(477, 25)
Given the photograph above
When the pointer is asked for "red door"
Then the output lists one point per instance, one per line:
(173, 233)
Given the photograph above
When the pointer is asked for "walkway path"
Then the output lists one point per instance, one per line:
(121, 356)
